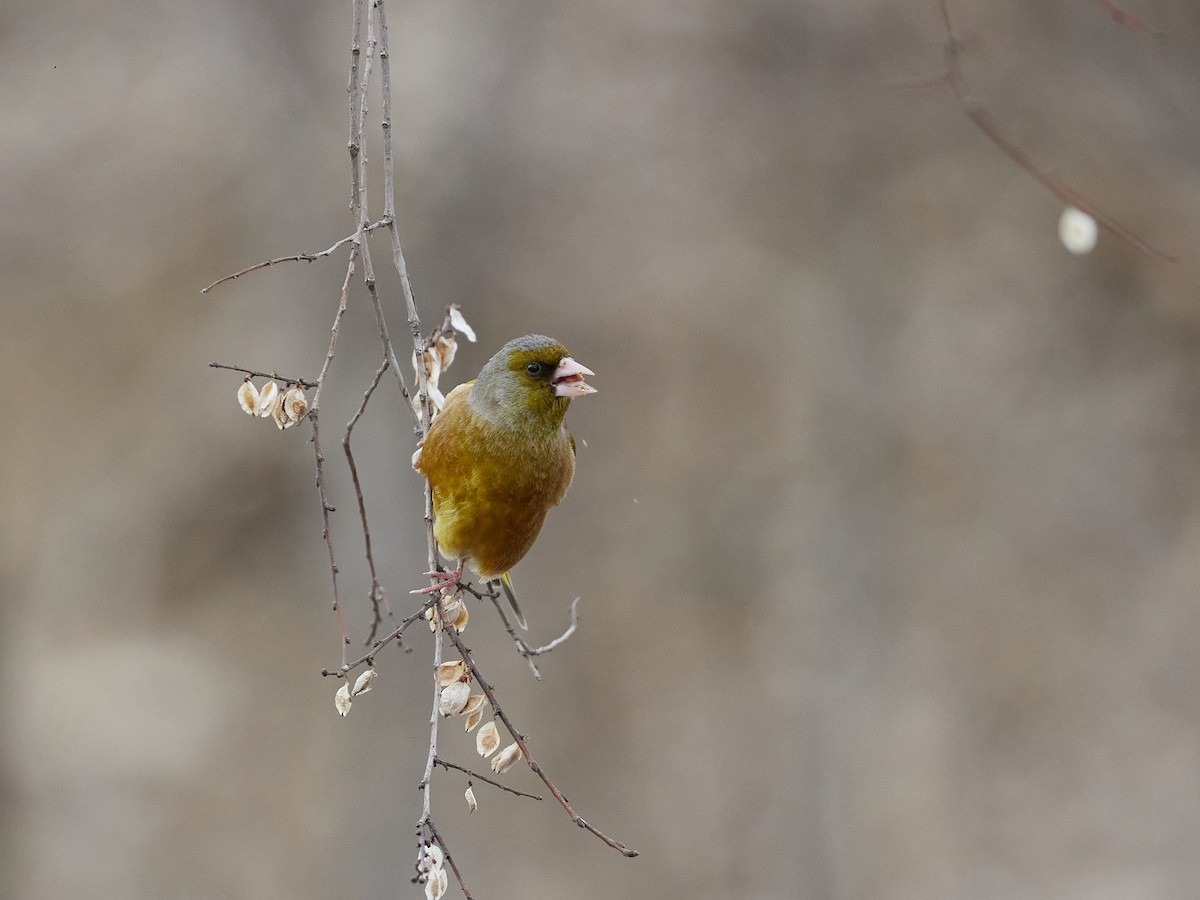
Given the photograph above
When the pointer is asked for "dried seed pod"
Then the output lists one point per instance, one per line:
(445, 347)
(1077, 231)
(454, 698)
(487, 740)
(341, 700)
(436, 886)
(247, 396)
(503, 761)
(267, 398)
(459, 324)
(363, 683)
(449, 672)
(295, 405)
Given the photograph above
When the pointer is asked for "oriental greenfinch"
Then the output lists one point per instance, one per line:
(498, 458)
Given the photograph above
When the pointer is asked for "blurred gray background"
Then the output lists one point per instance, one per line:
(888, 524)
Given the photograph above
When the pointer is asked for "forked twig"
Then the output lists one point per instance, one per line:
(377, 595)
(522, 646)
(490, 693)
(295, 257)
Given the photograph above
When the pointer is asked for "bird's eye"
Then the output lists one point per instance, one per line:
(534, 368)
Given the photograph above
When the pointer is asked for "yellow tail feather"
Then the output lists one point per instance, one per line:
(506, 583)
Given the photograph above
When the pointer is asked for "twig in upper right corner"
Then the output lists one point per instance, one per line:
(990, 126)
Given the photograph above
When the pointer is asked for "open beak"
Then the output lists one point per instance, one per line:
(568, 379)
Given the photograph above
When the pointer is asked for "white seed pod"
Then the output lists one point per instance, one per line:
(437, 884)
(472, 804)
(445, 347)
(267, 398)
(487, 740)
(1077, 231)
(247, 396)
(503, 761)
(449, 672)
(451, 605)
(295, 404)
(279, 414)
(430, 857)
(460, 619)
(474, 712)
(475, 703)
(459, 324)
(454, 698)
(433, 366)
(341, 699)
(363, 683)
(434, 852)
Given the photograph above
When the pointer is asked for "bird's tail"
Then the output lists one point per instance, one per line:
(509, 594)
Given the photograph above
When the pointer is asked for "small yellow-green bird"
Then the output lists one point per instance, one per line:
(498, 458)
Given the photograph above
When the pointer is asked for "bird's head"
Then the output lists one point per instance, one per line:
(531, 376)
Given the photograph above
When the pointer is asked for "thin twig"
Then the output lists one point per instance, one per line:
(522, 646)
(295, 257)
(503, 787)
(368, 658)
(314, 417)
(546, 648)
(1128, 19)
(490, 693)
(434, 717)
(378, 597)
(986, 123)
(359, 201)
(433, 834)
(256, 374)
(389, 216)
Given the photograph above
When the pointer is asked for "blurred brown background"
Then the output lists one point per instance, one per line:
(888, 524)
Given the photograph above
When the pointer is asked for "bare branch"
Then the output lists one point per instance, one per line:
(546, 648)
(369, 658)
(986, 123)
(295, 257)
(314, 417)
(275, 375)
(490, 693)
(434, 717)
(1128, 19)
(378, 598)
(389, 216)
(434, 835)
(522, 646)
(503, 787)
(370, 26)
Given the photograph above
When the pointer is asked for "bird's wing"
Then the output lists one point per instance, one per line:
(456, 396)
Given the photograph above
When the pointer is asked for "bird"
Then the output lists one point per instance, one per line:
(498, 458)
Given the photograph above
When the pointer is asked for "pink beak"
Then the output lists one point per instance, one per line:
(568, 379)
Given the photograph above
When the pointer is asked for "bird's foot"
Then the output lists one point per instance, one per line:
(445, 581)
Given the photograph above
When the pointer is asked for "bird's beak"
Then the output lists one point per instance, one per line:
(568, 379)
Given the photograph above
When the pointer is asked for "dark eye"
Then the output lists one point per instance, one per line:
(534, 368)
